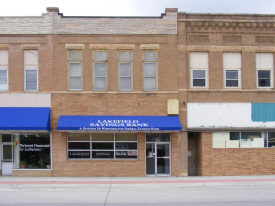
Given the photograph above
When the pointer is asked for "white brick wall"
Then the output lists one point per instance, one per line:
(135, 25)
(27, 25)
(53, 23)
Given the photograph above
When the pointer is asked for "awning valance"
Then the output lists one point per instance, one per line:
(25, 118)
(119, 123)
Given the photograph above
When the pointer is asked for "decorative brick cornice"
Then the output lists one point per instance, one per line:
(74, 46)
(30, 46)
(4, 46)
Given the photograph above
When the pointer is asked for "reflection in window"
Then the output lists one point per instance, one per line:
(102, 146)
(198, 78)
(32, 151)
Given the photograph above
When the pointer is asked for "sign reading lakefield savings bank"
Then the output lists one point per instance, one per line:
(119, 125)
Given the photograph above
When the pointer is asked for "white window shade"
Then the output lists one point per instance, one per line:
(264, 60)
(198, 60)
(232, 60)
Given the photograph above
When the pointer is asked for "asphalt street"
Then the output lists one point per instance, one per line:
(214, 191)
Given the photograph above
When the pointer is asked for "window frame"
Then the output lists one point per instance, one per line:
(2, 68)
(156, 66)
(237, 68)
(205, 69)
(81, 69)
(106, 70)
(239, 78)
(131, 71)
(114, 150)
(26, 80)
(33, 69)
(271, 70)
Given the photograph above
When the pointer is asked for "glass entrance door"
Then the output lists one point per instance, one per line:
(158, 159)
(163, 159)
(6, 163)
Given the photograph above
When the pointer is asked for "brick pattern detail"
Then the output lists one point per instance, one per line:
(232, 39)
(235, 161)
(198, 38)
(264, 39)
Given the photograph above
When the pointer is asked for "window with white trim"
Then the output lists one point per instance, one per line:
(264, 67)
(75, 69)
(232, 64)
(31, 70)
(125, 70)
(252, 139)
(102, 146)
(199, 69)
(150, 70)
(100, 70)
(4, 65)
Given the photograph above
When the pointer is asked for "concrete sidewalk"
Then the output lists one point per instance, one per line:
(6, 181)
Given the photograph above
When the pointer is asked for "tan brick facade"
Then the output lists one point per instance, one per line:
(217, 34)
(173, 36)
(232, 162)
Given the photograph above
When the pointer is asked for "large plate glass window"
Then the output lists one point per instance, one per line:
(243, 139)
(32, 151)
(4, 65)
(102, 146)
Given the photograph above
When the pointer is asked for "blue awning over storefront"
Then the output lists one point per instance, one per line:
(119, 123)
(25, 118)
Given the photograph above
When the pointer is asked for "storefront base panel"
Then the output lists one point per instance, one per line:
(31, 173)
(232, 161)
(64, 167)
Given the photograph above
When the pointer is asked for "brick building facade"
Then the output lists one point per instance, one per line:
(137, 96)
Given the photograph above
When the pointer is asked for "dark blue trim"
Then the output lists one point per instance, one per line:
(119, 123)
(25, 118)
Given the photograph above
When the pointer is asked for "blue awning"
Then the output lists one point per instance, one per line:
(119, 123)
(25, 118)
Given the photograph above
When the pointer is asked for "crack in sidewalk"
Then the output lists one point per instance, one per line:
(108, 192)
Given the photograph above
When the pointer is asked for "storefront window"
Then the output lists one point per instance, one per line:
(102, 146)
(243, 139)
(32, 151)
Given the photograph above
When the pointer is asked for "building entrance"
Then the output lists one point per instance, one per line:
(6, 156)
(158, 155)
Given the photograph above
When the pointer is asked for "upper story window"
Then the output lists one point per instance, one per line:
(264, 67)
(100, 70)
(31, 70)
(232, 64)
(75, 69)
(150, 70)
(125, 70)
(4, 65)
(199, 69)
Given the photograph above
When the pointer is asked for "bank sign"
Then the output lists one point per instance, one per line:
(119, 123)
